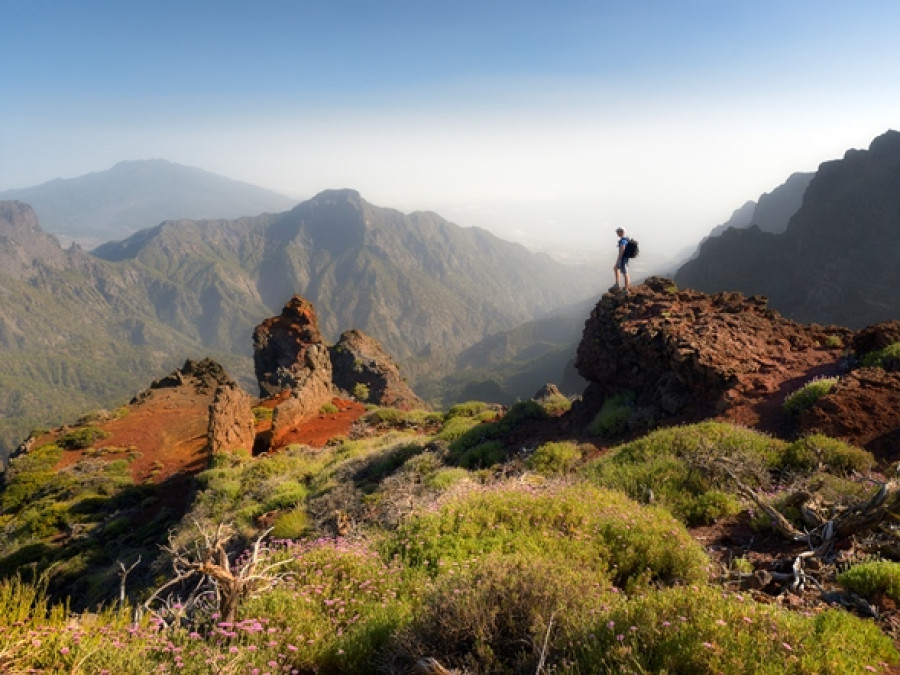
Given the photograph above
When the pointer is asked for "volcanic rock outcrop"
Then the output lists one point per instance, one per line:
(231, 421)
(290, 355)
(864, 405)
(359, 359)
(689, 354)
(295, 365)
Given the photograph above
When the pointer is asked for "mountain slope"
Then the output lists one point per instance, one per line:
(423, 287)
(836, 262)
(416, 282)
(133, 195)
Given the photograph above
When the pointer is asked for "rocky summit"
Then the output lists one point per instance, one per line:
(686, 355)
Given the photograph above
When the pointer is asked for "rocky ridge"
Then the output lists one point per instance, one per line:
(835, 262)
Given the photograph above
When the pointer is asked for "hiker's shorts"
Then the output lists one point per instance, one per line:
(623, 265)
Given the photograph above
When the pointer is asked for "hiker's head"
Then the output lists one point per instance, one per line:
(620, 231)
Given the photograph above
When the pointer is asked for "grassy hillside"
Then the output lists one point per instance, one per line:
(435, 541)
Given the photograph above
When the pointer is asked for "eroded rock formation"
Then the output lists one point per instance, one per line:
(290, 354)
(358, 359)
(231, 423)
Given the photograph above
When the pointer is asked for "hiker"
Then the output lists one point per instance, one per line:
(621, 266)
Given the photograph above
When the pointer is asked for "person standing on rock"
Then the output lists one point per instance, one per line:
(621, 266)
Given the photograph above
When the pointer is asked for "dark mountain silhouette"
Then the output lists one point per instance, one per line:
(836, 262)
(773, 210)
(81, 330)
(133, 195)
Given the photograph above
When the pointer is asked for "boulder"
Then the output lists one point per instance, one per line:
(358, 359)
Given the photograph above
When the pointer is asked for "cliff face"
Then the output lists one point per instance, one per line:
(836, 262)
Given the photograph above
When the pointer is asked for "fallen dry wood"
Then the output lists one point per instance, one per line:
(852, 520)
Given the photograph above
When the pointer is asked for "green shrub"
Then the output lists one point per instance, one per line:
(494, 617)
(870, 578)
(27, 475)
(81, 438)
(468, 409)
(614, 415)
(328, 409)
(813, 450)
(360, 391)
(807, 395)
(600, 532)
(447, 477)
(292, 524)
(556, 405)
(554, 458)
(287, 494)
(521, 412)
(261, 413)
(834, 342)
(456, 426)
(887, 358)
(686, 469)
(482, 456)
(702, 630)
(391, 417)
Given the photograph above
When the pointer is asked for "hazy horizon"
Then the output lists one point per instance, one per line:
(548, 125)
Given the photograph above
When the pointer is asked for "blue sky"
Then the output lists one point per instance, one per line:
(548, 123)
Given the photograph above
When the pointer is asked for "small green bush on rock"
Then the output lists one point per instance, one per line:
(887, 358)
(807, 395)
(614, 415)
(85, 437)
(814, 450)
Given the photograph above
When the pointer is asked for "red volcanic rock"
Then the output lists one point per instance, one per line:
(863, 409)
(289, 350)
(290, 354)
(690, 355)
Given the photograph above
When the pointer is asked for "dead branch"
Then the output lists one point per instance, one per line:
(123, 577)
(824, 531)
(211, 563)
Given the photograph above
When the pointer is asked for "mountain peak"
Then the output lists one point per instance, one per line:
(136, 194)
(22, 241)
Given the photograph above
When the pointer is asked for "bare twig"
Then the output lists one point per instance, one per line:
(123, 577)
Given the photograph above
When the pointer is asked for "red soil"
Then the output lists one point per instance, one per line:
(167, 433)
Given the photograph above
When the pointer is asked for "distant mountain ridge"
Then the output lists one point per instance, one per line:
(82, 329)
(773, 210)
(133, 195)
(837, 259)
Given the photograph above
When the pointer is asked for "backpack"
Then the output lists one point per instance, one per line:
(631, 249)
